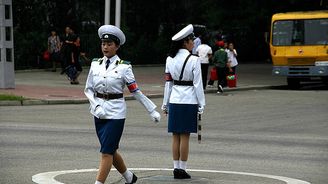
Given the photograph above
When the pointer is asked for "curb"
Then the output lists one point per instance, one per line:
(130, 97)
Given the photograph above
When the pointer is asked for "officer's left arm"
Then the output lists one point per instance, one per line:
(198, 84)
(136, 92)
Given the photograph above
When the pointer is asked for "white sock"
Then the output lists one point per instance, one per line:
(176, 164)
(128, 176)
(98, 182)
(183, 165)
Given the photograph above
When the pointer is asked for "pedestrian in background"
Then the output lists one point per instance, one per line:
(75, 56)
(183, 97)
(204, 51)
(104, 88)
(54, 49)
(67, 44)
(220, 60)
(232, 59)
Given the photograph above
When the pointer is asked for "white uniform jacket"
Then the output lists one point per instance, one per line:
(183, 94)
(113, 81)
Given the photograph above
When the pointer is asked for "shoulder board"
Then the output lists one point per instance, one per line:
(98, 60)
(118, 62)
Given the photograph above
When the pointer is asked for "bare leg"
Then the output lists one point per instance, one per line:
(176, 146)
(118, 163)
(104, 167)
(184, 146)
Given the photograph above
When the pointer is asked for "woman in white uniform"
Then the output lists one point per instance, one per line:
(104, 88)
(183, 97)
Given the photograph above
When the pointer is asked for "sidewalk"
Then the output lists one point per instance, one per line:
(44, 87)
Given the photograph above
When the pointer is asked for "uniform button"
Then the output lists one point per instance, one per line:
(103, 84)
(104, 77)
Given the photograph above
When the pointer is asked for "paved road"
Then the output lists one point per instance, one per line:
(275, 132)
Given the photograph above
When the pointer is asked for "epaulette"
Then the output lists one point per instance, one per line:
(100, 60)
(118, 62)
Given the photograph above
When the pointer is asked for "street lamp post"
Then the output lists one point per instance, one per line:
(117, 12)
(7, 67)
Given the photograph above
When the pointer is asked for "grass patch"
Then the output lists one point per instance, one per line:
(9, 97)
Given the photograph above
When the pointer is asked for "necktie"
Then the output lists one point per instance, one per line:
(107, 63)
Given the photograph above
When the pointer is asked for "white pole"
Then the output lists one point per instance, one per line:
(118, 13)
(107, 12)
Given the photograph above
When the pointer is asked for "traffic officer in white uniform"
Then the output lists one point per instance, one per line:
(183, 97)
(104, 88)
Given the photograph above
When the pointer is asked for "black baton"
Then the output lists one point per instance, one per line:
(199, 132)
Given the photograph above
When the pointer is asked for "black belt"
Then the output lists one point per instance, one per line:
(183, 83)
(109, 96)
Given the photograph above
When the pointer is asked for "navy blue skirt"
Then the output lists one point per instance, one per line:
(109, 132)
(182, 118)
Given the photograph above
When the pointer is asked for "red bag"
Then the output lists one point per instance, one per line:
(213, 76)
(46, 56)
(232, 81)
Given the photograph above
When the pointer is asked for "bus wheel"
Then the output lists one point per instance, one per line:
(293, 83)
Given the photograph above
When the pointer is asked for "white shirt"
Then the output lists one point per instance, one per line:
(232, 57)
(184, 94)
(203, 51)
(113, 81)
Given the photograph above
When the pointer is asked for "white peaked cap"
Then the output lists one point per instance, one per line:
(186, 31)
(106, 31)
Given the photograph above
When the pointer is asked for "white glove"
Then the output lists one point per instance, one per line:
(200, 109)
(99, 112)
(164, 109)
(155, 116)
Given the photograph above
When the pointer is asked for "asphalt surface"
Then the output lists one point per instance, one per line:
(249, 137)
(257, 133)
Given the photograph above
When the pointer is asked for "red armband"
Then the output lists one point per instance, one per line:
(168, 77)
(132, 86)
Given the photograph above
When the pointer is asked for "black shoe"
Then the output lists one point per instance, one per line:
(180, 174)
(75, 82)
(176, 173)
(184, 174)
(134, 179)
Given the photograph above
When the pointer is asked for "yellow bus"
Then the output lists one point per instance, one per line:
(299, 46)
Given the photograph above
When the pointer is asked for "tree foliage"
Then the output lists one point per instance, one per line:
(148, 24)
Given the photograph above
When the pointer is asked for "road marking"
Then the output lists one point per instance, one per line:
(49, 177)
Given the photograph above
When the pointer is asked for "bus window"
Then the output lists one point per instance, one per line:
(300, 32)
(316, 31)
(281, 34)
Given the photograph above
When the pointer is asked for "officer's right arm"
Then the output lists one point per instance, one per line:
(89, 91)
(168, 86)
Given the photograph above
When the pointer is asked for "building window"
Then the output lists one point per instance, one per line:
(8, 55)
(8, 33)
(7, 12)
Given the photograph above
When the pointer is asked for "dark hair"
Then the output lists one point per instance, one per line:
(176, 45)
(174, 48)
